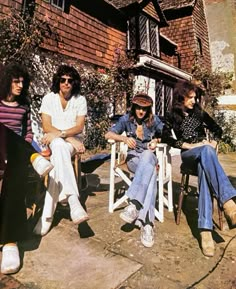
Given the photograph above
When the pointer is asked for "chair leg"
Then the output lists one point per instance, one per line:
(184, 182)
(220, 213)
(180, 200)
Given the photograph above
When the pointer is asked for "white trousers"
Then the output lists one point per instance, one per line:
(62, 182)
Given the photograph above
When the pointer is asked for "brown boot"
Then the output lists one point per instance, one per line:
(230, 211)
(207, 243)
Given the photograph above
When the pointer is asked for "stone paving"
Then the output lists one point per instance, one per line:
(105, 253)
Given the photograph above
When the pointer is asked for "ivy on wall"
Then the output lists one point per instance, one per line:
(107, 90)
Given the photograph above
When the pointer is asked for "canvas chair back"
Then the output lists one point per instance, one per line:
(118, 168)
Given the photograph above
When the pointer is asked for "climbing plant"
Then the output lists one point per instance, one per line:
(107, 90)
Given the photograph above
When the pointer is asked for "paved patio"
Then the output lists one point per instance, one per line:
(105, 253)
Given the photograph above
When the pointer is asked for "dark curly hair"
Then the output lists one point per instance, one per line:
(8, 73)
(70, 71)
(181, 90)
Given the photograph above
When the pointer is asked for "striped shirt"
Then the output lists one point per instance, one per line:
(17, 118)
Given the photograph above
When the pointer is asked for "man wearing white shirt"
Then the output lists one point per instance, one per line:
(63, 113)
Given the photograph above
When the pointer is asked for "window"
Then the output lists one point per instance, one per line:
(143, 34)
(58, 3)
(164, 96)
(131, 34)
(199, 46)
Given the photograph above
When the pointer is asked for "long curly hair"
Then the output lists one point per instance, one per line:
(181, 90)
(70, 71)
(8, 73)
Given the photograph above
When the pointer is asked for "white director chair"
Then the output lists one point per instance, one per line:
(164, 179)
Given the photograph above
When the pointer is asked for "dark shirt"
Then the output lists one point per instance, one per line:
(191, 129)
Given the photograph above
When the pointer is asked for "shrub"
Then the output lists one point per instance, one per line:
(215, 83)
(106, 90)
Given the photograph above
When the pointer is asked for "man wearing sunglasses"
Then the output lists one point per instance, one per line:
(63, 113)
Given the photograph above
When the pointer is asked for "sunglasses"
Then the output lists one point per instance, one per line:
(69, 80)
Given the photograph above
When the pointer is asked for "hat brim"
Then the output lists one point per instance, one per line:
(142, 103)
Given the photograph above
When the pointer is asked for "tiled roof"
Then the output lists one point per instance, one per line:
(175, 4)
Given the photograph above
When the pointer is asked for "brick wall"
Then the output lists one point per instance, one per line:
(5, 5)
(181, 32)
(82, 36)
(185, 31)
(201, 32)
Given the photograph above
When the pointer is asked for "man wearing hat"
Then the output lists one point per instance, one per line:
(143, 129)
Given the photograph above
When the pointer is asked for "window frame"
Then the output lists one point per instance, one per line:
(143, 42)
(58, 6)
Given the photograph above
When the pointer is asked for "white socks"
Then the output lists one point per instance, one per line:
(10, 259)
(77, 212)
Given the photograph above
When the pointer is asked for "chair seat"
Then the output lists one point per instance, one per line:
(186, 170)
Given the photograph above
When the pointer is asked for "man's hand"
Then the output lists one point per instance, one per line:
(78, 145)
(153, 144)
(131, 142)
(49, 137)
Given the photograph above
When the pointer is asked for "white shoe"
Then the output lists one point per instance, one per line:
(10, 259)
(78, 215)
(41, 165)
(147, 236)
(43, 226)
(77, 212)
(129, 214)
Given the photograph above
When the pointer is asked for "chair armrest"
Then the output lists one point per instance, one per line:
(162, 145)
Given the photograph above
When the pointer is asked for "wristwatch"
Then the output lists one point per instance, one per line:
(63, 134)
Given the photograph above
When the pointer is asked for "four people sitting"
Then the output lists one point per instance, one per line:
(63, 113)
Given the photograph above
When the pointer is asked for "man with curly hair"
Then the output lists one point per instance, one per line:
(15, 155)
(63, 113)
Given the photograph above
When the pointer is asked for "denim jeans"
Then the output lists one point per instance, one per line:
(144, 185)
(211, 179)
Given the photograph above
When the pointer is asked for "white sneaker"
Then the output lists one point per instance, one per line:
(77, 212)
(129, 214)
(10, 259)
(147, 236)
(78, 215)
(41, 165)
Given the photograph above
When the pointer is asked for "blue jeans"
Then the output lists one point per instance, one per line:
(144, 185)
(211, 179)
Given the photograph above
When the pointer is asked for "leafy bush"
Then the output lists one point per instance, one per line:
(215, 84)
